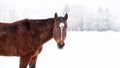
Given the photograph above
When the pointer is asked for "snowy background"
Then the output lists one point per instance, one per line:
(93, 49)
(84, 15)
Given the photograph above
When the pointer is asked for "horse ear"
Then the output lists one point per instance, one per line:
(56, 16)
(66, 16)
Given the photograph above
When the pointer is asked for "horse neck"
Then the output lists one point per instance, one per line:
(43, 29)
(49, 30)
(50, 25)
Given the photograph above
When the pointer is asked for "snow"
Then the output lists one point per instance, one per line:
(82, 50)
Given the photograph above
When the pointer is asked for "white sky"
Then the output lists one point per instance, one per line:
(60, 3)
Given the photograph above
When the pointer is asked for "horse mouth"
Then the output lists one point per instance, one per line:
(60, 45)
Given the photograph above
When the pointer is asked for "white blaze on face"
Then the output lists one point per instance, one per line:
(61, 25)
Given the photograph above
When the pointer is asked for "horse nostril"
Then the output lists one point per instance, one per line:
(60, 45)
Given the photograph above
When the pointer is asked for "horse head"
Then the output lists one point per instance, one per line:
(59, 30)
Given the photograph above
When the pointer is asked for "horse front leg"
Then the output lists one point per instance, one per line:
(33, 62)
(24, 61)
(34, 59)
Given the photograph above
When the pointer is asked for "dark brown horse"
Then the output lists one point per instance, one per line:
(25, 38)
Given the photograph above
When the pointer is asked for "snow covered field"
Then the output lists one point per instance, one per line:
(82, 50)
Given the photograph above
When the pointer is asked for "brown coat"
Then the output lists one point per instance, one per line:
(24, 37)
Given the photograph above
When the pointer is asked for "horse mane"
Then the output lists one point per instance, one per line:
(27, 24)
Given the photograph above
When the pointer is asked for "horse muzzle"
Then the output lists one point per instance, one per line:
(60, 45)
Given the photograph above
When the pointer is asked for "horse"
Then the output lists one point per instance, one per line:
(25, 38)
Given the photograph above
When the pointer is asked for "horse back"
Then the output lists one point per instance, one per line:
(14, 37)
